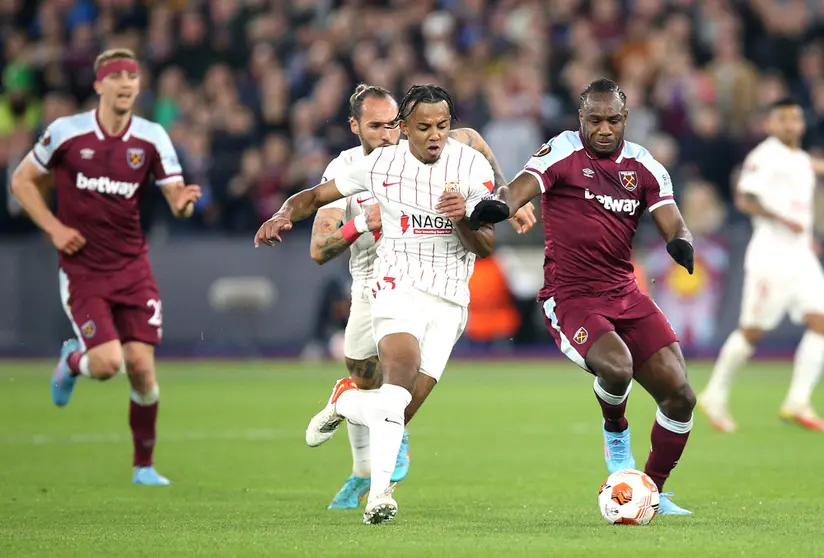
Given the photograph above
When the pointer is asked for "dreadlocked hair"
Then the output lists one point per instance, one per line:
(603, 85)
(363, 92)
(428, 93)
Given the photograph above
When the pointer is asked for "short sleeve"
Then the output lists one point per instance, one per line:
(166, 166)
(754, 177)
(481, 183)
(545, 164)
(657, 184)
(47, 151)
(352, 179)
(331, 171)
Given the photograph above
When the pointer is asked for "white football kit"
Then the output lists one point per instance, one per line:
(421, 274)
(782, 274)
(359, 343)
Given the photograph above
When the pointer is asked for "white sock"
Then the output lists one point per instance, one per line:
(359, 442)
(735, 352)
(809, 361)
(385, 433)
(609, 398)
(146, 399)
(352, 405)
(83, 365)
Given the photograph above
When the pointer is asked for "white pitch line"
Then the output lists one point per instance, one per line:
(179, 436)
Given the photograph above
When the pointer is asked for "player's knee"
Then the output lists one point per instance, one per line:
(139, 367)
(615, 371)
(107, 366)
(679, 404)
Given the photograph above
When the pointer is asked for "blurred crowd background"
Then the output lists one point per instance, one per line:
(254, 92)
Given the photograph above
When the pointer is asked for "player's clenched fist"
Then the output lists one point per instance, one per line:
(67, 240)
(452, 205)
(269, 232)
(188, 196)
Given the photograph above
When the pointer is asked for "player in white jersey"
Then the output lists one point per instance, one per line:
(782, 273)
(426, 187)
(354, 223)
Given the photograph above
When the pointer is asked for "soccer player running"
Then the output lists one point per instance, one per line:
(101, 162)
(354, 222)
(782, 273)
(425, 187)
(594, 188)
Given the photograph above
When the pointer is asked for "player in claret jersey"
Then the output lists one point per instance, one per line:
(102, 162)
(594, 188)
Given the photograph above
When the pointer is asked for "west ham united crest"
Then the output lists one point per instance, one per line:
(629, 179)
(581, 336)
(135, 156)
(88, 329)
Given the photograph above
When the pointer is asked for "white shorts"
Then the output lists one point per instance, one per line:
(435, 322)
(359, 342)
(769, 296)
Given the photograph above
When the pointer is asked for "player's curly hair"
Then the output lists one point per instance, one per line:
(362, 92)
(428, 93)
(602, 85)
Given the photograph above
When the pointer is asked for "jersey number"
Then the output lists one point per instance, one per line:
(387, 285)
(157, 308)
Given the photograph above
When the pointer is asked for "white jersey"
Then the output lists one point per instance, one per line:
(364, 250)
(784, 182)
(419, 247)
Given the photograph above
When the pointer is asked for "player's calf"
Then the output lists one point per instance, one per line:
(367, 373)
(664, 377)
(144, 402)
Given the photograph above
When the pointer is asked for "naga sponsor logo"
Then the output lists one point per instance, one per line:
(425, 224)
(106, 185)
(617, 205)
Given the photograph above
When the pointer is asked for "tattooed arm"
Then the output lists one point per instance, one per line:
(330, 239)
(327, 240)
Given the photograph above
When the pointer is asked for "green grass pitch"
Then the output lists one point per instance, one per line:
(506, 461)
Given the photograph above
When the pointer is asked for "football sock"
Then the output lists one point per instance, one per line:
(385, 432)
(78, 363)
(613, 407)
(359, 442)
(809, 362)
(669, 437)
(142, 420)
(735, 352)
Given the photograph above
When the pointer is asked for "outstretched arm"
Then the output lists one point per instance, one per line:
(297, 208)
(519, 192)
(671, 225)
(748, 203)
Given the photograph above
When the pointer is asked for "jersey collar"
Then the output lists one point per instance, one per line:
(615, 157)
(102, 134)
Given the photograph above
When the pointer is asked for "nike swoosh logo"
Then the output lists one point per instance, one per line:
(364, 200)
(393, 422)
(388, 184)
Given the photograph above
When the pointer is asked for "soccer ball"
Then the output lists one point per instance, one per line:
(628, 497)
